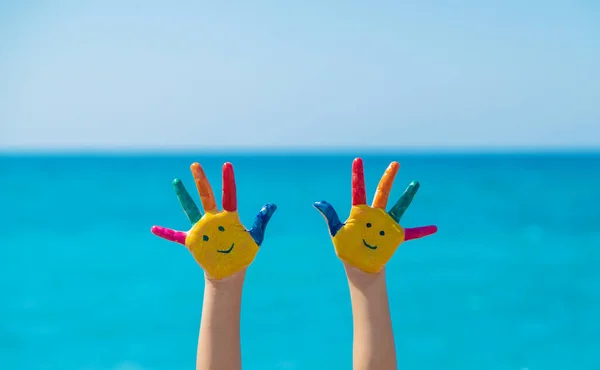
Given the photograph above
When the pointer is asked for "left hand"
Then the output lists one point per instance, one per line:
(370, 235)
(218, 241)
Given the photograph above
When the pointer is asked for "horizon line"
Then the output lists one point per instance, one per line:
(447, 150)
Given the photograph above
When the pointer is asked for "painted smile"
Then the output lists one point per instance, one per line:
(369, 245)
(226, 251)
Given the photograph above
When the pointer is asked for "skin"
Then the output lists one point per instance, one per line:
(361, 245)
(365, 242)
(219, 338)
(373, 346)
(223, 247)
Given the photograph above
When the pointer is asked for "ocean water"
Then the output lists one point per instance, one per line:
(511, 281)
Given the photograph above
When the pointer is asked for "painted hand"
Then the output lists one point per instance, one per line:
(218, 241)
(370, 235)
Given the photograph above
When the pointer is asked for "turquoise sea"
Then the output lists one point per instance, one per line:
(510, 282)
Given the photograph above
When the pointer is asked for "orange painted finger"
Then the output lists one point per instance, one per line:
(206, 194)
(385, 186)
(229, 191)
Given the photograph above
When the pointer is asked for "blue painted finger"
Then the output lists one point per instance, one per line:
(331, 216)
(187, 203)
(260, 223)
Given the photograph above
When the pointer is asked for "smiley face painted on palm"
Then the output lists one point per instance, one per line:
(220, 244)
(368, 238)
(218, 241)
(370, 235)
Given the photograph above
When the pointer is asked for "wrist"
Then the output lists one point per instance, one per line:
(230, 283)
(362, 279)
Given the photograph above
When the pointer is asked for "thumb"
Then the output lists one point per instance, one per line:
(331, 216)
(260, 222)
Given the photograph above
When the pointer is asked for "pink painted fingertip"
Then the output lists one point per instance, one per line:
(169, 234)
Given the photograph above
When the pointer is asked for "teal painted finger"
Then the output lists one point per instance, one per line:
(402, 204)
(187, 203)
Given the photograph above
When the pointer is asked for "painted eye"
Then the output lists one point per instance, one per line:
(369, 224)
(221, 228)
(205, 238)
(382, 233)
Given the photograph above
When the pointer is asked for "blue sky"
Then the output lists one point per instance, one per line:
(299, 74)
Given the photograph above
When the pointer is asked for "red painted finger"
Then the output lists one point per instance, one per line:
(229, 191)
(359, 193)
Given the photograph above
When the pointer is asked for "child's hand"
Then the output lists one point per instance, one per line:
(370, 236)
(218, 241)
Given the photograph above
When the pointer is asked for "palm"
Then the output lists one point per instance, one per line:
(370, 235)
(218, 241)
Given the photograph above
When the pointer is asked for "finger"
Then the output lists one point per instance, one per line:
(402, 204)
(419, 232)
(260, 223)
(229, 192)
(206, 194)
(187, 203)
(331, 216)
(359, 195)
(385, 186)
(169, 234)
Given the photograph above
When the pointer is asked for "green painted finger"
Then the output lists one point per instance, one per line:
(187, 203)
(402, 204)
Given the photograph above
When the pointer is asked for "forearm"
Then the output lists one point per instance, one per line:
(374, 346)
(219, 338)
